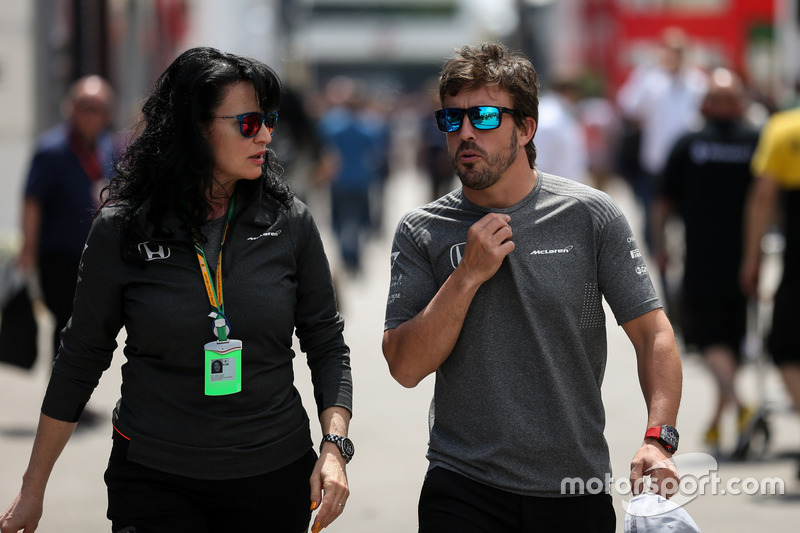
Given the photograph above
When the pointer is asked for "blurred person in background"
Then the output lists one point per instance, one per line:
(776, 190)
(195, 449)
(71, 165)
(705, 182)
(498, 288)
(356, 151)
(603, 129)
(560, 138)
(664, 101)
(298, 147)
(376, 109)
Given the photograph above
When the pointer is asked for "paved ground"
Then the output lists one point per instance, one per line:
(390, 425)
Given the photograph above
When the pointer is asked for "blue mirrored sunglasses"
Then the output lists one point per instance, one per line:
(250, 123)
(482, 117)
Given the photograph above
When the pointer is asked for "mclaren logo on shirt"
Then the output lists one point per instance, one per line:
(456, 253)
(153, 252)
(265, 234)
(565, 250)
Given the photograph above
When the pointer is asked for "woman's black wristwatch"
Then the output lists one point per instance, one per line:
(344, 444)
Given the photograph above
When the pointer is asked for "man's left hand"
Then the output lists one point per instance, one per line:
(654, 461)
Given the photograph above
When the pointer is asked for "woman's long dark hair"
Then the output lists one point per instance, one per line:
(169, 163)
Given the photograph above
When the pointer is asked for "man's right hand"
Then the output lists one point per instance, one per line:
(488, 243)
(416, 348)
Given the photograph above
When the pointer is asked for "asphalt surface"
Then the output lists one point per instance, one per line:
(390, 423)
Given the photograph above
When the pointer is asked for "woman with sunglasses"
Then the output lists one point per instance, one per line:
(205, 258)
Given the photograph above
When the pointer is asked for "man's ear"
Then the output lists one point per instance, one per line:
(527, 131)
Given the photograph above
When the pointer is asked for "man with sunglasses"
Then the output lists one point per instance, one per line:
(497, 288)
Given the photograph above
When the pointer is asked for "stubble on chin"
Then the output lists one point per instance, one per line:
(486, 172)
(475, 178)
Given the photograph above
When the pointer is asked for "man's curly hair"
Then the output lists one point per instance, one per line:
(493, 64)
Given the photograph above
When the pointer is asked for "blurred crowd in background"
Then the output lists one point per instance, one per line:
(624, 86)
(621, 82)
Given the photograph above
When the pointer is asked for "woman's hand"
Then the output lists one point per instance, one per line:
(23, 514)
(329, 489)
(26, 510)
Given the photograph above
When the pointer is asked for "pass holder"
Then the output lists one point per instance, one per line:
(223, 367)
(223, 361)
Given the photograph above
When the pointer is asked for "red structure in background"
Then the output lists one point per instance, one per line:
(619, 33)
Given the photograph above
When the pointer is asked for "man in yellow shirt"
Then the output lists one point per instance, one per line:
(776, 164)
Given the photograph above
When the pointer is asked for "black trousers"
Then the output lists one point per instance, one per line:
(143, 500)
(452, 502)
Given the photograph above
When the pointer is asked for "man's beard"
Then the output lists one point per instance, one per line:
(493, 166)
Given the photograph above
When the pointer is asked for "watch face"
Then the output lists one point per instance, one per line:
(670, 434)
(347, 447)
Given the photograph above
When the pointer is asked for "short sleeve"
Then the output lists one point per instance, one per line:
(623, 275)
(777, 155)
(413, 284)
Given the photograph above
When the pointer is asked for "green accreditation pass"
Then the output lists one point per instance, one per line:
(223, 369)
(223, 357)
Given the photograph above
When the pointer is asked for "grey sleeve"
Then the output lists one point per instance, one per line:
(623, 276)
(413, 284)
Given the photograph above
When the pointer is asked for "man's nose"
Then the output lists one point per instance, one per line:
(467, 130)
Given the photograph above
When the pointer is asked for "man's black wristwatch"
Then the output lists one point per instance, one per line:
(344, 444)
(667, 436)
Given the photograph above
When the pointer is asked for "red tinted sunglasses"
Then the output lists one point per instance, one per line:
(250, 123)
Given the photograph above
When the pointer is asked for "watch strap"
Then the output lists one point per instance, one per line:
(339, 441)
(653, 432)
(657, 433)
